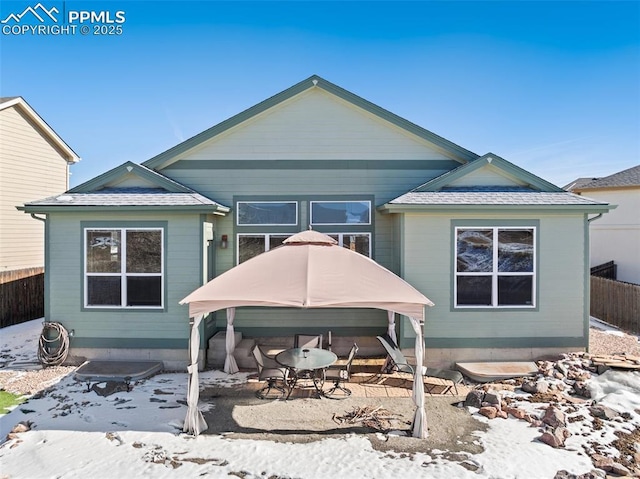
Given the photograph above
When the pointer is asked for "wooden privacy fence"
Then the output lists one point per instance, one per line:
(21, 295)
(616, 302)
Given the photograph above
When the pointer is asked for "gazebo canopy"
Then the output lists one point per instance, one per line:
(309, 270)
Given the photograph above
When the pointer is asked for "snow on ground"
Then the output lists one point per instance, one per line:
(78, 434)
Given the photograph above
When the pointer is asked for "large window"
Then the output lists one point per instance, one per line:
(340, 212)
(495, 267)
(124, 267)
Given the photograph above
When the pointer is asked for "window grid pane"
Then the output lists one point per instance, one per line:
(340, 212)
(144, 252)
(104, 249)
(250, 246)
(267, 213)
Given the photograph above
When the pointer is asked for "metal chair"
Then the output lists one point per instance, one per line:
(308, 341)
(340, 373)
(271, 372)
(399, 363)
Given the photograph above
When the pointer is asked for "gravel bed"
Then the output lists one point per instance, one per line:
(29, 383)
(602, 342)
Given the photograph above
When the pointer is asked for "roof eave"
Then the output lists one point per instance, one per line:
(212, 209)
(408, 208)
(71, 156)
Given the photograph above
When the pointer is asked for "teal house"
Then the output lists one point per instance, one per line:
(502, 253)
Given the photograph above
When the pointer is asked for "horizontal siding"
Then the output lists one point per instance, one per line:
(428, 265)
(31, 168)
(66, 280)
(486, 176)
(311, 320)
(222, 184)
(315, 125)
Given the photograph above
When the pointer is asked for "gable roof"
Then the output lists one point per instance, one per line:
(18, 102)
(578, 183)
(528, 191)
(628, 178)
(108, 178)
(446, 147)
(103, 192)
(509, 169)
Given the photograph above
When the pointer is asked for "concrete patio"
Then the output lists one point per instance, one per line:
(367, 382)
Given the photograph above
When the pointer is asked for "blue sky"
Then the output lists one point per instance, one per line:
(553, 87)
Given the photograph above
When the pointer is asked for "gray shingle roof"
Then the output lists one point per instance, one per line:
(493, 198)
(127, 197)
(578, 183)
(624, 178)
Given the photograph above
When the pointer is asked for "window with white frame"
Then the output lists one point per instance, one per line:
(340, 212)
(124, 267)
(267, 213)
(495, 267)
(358, 242)
(250, 245)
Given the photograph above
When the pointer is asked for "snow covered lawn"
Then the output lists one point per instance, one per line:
(76, 433)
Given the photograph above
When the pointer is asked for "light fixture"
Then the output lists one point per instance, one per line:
(224, 242)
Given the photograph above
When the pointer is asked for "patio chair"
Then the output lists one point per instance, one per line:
(308, 341)
(340, 373)
(271, 372)
(399, 363)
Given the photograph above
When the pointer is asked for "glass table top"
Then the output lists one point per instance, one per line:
(306, 358)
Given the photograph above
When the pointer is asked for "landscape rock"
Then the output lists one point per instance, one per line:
(517, 413)
(489, 411)
(587, 475)
(534, 387)
(492, 397)
(609, 465)
(22, 426)
(581, 389)
(474, 399)
(555, 437)
(603, 412)
(554, 417)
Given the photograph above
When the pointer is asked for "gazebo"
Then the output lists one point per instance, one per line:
(309, 270)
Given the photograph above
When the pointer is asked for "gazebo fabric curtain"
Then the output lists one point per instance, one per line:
(230, 365)
(194, 422)
(419, 427)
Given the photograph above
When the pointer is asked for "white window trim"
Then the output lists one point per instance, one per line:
(266, 236)
(311, 203)
(342, 235)
(265, 224)
(494, 273)
(123, 274)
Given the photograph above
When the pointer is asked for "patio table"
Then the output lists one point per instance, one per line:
(306, 362)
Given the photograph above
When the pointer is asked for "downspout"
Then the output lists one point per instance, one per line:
(46, 260)
(589, 220)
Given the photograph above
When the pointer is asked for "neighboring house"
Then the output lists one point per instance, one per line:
(501, 252)
(616, 236)
(34, 162)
